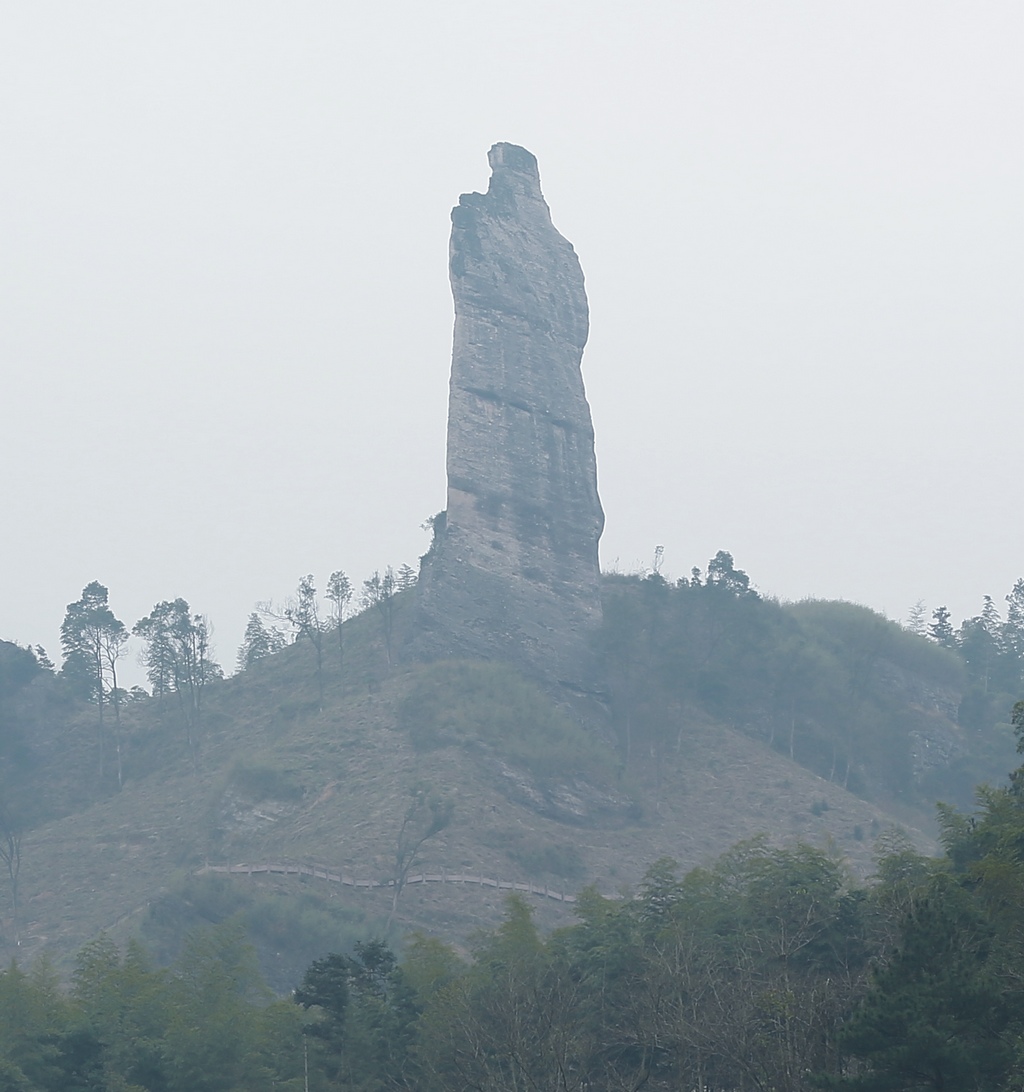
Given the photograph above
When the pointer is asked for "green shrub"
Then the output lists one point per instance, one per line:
(461, 704)
(258, 782)
(288, 930)
(563, 861)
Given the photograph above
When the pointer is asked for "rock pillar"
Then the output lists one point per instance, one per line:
(513, 571)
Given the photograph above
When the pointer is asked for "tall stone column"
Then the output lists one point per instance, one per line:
(513, 571)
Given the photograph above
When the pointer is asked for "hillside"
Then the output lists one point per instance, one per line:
(522, 783)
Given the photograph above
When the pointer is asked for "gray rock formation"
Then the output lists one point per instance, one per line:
(513, 572)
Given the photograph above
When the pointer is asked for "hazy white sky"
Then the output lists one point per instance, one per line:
(225, 319)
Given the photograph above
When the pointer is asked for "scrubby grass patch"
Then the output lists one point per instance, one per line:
(460, 704)
(257, 782)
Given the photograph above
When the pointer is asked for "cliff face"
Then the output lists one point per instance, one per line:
(513, 570)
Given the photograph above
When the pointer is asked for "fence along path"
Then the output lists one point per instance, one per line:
(321, 872)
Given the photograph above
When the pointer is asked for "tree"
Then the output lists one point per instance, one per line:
(42, 659)
(339, 592)
(429, 812)
(941, 629)
(1011, 639)
(212, 1030)
(325, 988)
(122, 1001)
(365, 1013)
(379, 592)
(980, 643)
(517, 1019)
(936, 1016)
(80, 642)
(18, 669)
(11, 831)
(744, 970)
(304, 615)
(258, 642)
(1013, 630)
(33, 1019)
(158, 654)
(723, 573)
(93, 640)
(916, 619)
(114, 639)
(178, 641)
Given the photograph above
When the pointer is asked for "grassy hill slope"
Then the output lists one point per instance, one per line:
(535, 784)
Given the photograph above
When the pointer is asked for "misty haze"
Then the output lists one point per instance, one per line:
(621, 688)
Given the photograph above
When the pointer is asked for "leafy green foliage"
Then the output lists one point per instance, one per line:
(287, 929)
(466, 704)
(698, 982)
(258, 642)
(364, 1013)
(205, 1023)
(936, 1015)
(87, 635)
(20, 676)
(834, 686)
(47, 740)
(428, 813)
(93, 640)
(380, 594)
(766, 969)
(257, 782)
(562, 860)
(179, 659)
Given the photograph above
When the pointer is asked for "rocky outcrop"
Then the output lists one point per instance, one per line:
(513, 572)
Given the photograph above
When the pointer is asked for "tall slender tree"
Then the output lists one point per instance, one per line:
(941, 629)
(304, 615)
(980, 642)
(1015, 617)
(158, 654)
(339, 592)
(93, 640)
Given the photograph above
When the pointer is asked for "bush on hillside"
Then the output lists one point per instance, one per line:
(461, 703)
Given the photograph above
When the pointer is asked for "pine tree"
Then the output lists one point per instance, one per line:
(916, 619)
(941, 629)
(1013, 628)
(258, 642)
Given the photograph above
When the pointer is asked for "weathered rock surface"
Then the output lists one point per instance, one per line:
(513, 571)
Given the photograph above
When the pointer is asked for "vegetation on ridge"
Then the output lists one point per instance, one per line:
(856, 698)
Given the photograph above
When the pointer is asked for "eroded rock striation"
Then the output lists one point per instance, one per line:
(513, 570)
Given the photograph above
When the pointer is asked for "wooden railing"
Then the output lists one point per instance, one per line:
(322, 872)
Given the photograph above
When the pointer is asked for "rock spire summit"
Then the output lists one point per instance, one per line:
(513, 571)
